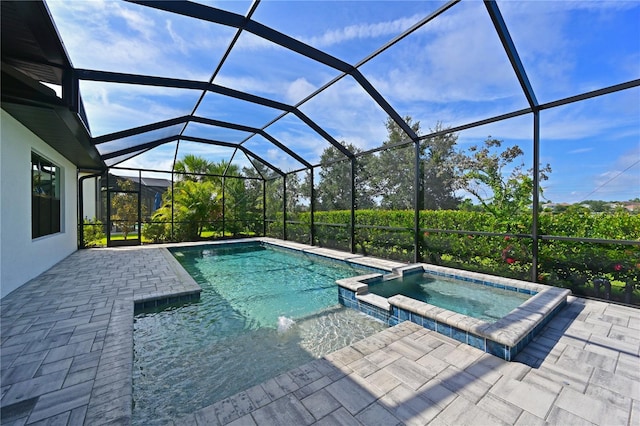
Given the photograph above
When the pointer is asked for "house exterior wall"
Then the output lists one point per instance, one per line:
(21, 257)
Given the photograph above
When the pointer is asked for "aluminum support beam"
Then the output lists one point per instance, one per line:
(512, 52)
(224, 17)
(535, 250)
(122, 78)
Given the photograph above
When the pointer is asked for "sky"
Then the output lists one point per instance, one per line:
(452, 71)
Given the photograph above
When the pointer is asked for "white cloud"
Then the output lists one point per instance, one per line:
(360, 31)
(621, 180)
(298, 90)
(134, 20)
(115, 107)
(177, 39)
(455, 58)
(124, 37)
(580, 150)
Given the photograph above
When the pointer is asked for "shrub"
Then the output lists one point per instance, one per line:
(93, 232)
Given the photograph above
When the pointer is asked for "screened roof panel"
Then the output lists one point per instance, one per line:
(216, 133)
(159, 158)
(296, 135)
(226, 108)
(262, 68)
(116, 161)
(454, 70)
(345, 29)
(138, 139)
(572, 47)
(209, 152)
(112, 107)
(130, 38)
(270, 152)
(349, 114)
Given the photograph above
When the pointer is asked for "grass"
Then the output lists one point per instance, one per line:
(205, 235)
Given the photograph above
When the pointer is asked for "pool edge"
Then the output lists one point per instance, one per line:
(504, 338)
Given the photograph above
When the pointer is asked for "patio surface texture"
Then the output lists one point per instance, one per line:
(67, 345)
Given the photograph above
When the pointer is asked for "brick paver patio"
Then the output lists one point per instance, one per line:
(67, 345)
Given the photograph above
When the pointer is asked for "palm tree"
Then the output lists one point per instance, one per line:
(192, 167)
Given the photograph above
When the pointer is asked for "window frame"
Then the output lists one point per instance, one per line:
(46, 196)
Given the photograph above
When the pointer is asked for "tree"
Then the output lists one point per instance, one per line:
(482, 173)
(273, 196)
(239, 203)
(195, 204)
(438, 171)
(333, 191)
(599, 206)
(124, 206)
(393, 170)
(190, 167)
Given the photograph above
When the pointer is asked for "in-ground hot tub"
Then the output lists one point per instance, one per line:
(502, 336)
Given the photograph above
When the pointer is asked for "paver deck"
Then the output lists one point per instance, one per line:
(67, 345)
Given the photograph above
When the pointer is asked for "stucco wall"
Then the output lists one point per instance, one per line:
(21, 257)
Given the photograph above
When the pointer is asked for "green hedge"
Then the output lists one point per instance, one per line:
(569, 264)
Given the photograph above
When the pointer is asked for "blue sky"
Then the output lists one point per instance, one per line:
(453, 70)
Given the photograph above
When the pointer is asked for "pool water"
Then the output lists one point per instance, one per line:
(474, 300)
(263, 311)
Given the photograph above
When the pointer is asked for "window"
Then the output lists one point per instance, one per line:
(45, 197)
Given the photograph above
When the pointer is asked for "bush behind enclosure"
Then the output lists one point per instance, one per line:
(567, 264)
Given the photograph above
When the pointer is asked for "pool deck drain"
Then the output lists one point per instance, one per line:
(67, 344)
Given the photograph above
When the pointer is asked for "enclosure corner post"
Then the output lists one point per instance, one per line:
(312, 233)
(284, 207)
(140, 207)
(417, 241)
(352, 225)
(224, 208)
(536, 196)
(264, 207)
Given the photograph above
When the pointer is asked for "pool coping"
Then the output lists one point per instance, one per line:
(504, 338)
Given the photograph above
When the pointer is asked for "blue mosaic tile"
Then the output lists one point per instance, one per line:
(511, 288)
(459, 335)
(393, 321)
(524, 290)
(476, 341)
(495, 348)
(403, 315)
(511, 353)
(538, 327)
(443, 328)
(416, 319)
(429, 324)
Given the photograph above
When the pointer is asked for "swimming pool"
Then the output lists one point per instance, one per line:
(263, 310)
